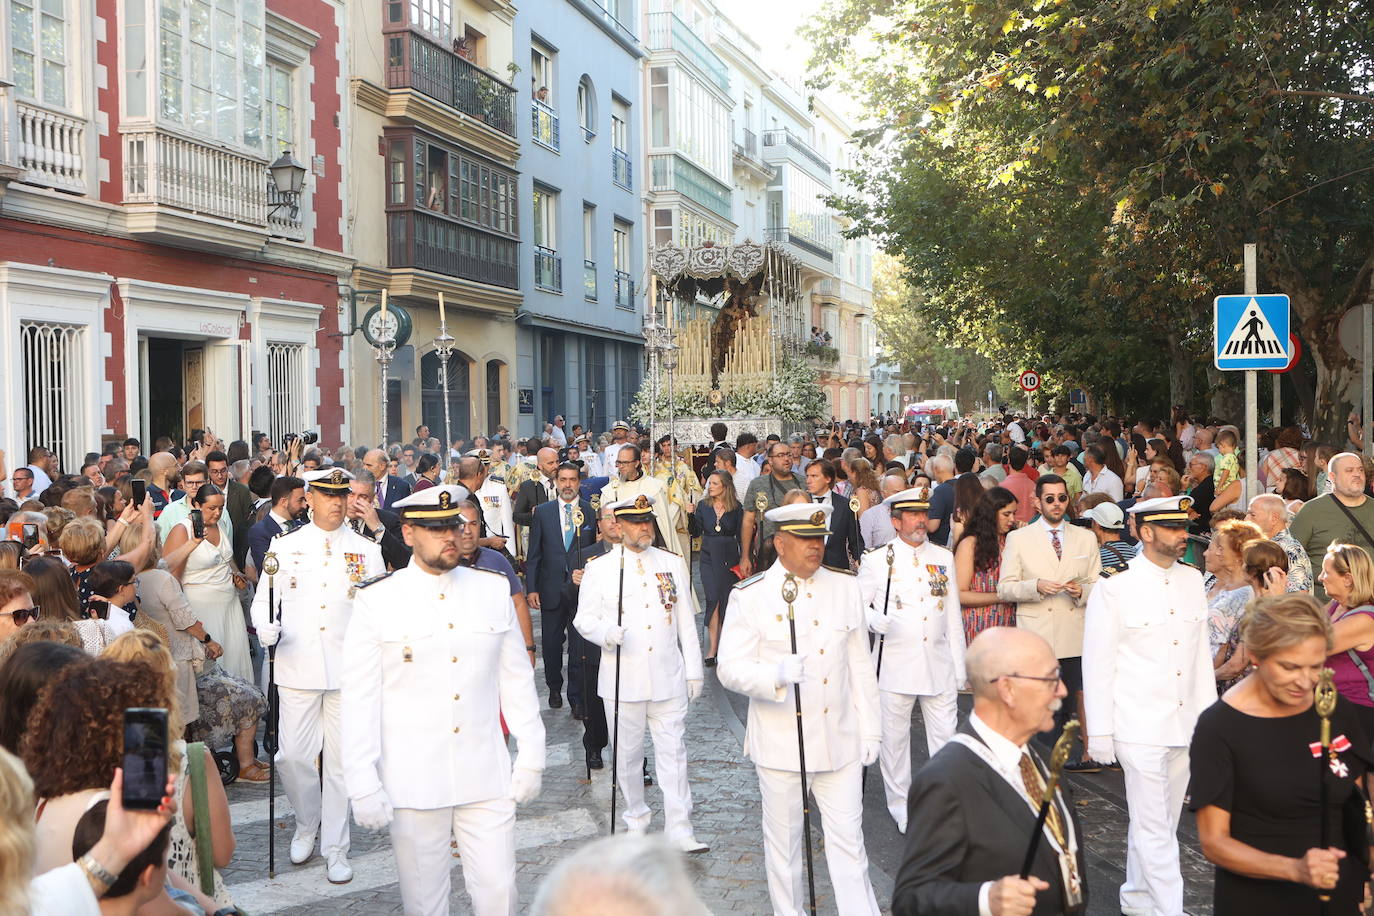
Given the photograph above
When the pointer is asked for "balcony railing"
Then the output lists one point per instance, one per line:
(780, 138)
(432, 241)
(415, 62)
(51, 148)
(589, 280)
(283, 220)
(788, 236)
(161, 168)
(670, 172)
(622, 170)
(602, 8)
(624, 290)
(750, 146)
(545, 123)
(669, 33)
(548, 270)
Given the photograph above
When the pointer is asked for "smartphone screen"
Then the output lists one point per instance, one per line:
(30, 539)
(145, 757)
(197, 523)
(140, 491)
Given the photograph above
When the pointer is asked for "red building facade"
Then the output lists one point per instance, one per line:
(152, 278)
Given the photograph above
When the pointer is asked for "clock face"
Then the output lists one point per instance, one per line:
(393, 329)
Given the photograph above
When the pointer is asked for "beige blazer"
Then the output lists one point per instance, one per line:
(1028, 557)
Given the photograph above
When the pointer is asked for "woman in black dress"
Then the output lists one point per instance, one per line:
(720, 515)
(1255, 778)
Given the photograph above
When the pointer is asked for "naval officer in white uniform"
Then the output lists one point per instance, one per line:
(1147, 675)
(432, 660)
(659, 658)
(833, 671)
(320, 565)
(912, 603)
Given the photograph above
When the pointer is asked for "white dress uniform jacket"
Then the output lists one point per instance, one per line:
(839, 690)
(315, 584)
(494, 499)
(660, 653)
(1028, 557)
(1147, 664)
(431, 663)
(923, 652)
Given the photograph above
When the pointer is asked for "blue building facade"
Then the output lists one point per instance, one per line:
(579, 349)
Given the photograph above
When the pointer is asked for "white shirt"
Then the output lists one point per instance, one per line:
(1017, 434)
(1051, 530)
(565, 524)
(1105, 481)
(559, 436)
(745, 471)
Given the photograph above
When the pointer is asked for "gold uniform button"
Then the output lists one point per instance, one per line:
(651, 648)
(455, 696)
(825, 680)
(441, 596)
(822, 651)
(322, 607)
(825, 711)
(454, 659)
(455, 729)
(816, 622)
(321, 629)
(450, 626)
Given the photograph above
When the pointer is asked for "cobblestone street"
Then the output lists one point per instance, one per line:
(570, 810)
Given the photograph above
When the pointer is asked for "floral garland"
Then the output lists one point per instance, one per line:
(793, 395)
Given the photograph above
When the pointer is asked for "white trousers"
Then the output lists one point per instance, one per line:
(837, 797)
(940, 714)
(666, 720)
(485, 832)
(310, 723)
(1156, 781)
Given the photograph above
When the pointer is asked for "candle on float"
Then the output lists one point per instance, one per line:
(442, 321)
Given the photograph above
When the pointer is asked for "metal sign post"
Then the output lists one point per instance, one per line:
(1251, 387)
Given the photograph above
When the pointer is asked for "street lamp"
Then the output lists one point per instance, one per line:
(288, 180)
(443, 346)
(945, 379)
(956, 390)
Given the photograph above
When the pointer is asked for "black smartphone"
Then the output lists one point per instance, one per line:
(140, 487)
(197, 523)
(145, 757)
(30, 540)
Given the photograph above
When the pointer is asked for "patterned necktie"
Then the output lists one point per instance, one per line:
(1058, 546)
(381, 493)
(1030, 777)
(567, 526)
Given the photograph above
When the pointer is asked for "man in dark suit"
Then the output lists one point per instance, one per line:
(389, 488)
(584, 658)
(537, 490)
(843, 545)
(375, 524)
(238, 502)
(288, 505)
(561, 528)
(973, 806)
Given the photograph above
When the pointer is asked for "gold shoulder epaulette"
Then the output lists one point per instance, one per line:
(745, 583)
(375, 579)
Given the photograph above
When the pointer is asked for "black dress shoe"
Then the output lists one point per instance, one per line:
(648, 779)
(594, 761)
(709, 661)
(579, 714)
(555, 700)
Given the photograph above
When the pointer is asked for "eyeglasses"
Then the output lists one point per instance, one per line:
(21, 615)
(1053, 678)
(1051, 498)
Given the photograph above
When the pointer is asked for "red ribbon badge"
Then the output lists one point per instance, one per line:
(1340, 745)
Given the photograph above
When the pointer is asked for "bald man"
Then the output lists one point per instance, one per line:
(973, 806)
(1271, 514)
(389, 488)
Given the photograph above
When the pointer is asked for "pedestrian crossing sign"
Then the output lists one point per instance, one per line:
(1251, 332)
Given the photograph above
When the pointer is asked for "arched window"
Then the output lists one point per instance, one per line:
(586, 108)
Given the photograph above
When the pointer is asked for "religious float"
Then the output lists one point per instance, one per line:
(724, 329)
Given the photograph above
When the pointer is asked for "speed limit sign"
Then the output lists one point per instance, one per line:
(1030, 380)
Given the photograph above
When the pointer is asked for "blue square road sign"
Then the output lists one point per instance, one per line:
(1251, 332)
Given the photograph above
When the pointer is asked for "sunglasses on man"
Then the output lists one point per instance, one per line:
(21, 615)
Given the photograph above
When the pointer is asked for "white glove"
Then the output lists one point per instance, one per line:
(869, 752)
(694, 686)
(790, 670)
(878, 622)
(373, 812)
(268, 634)
(525, 784)
(1101, 749)
(614, 637)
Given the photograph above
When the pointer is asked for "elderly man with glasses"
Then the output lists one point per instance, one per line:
(1048, 569)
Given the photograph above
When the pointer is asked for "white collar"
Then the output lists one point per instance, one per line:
(1048, 527)
(281, 520)
(1008, 754)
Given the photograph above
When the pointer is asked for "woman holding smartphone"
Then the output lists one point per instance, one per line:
(201, 555)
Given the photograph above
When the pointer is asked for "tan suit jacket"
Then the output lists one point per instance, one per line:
(1028, 557)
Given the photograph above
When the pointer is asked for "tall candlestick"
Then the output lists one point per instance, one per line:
(441, 308)
(383, 305)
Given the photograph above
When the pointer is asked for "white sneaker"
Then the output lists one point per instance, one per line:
(339, 871)
(303, 845)
(690, 844)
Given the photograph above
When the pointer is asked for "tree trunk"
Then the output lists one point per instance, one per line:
(1181, 364)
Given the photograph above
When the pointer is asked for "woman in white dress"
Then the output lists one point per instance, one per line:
(205, 566)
